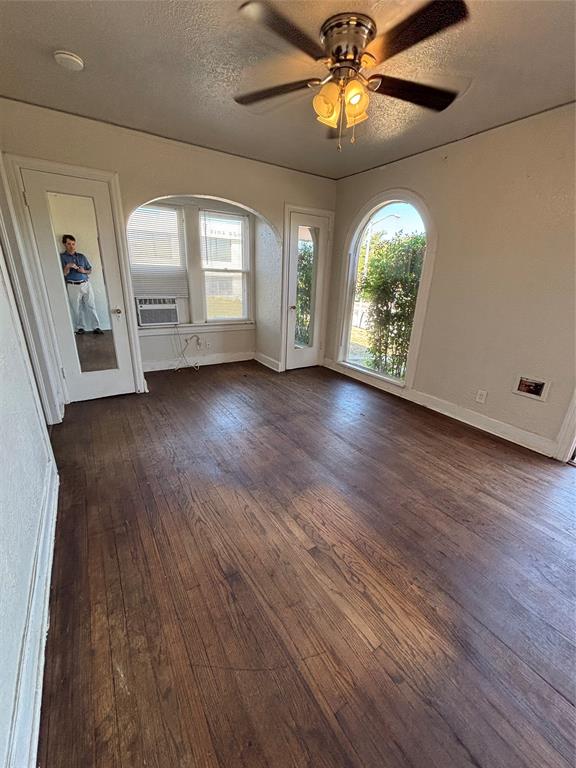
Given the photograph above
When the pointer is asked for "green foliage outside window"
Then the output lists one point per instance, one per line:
(389, 284)
(304, 293)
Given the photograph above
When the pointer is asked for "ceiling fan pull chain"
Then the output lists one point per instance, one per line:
(339, 147)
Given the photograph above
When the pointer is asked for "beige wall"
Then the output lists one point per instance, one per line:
(179, 348)
(150, 167)
(268, 293)
(502, 294)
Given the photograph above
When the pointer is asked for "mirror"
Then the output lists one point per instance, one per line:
(82, 271)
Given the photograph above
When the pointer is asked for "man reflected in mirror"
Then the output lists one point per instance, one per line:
(77, 270)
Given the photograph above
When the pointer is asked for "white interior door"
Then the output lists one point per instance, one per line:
(94, 364)
(307, 245)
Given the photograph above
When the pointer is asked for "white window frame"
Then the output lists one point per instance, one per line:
(195, 269)
(398, 195)
(247, 258)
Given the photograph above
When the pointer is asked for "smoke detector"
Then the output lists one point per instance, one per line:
(68, 60)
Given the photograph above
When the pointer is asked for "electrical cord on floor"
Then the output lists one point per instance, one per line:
(180, 350)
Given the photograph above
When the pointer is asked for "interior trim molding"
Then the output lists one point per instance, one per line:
(31, 259)
(25, 722)
(213, 359)
(30, 296)
(186, 329)
(531, 440)
(269, 362)
(461, 138)
(289, 209)
(566, 440)
(161, 137)
(207, 148)
(349, 266)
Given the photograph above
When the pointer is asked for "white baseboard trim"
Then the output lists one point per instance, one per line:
(269, 362)
(499, 428)
(213, 359)
(25, 723)
(567, 435)
(513, 434)
(373, 381)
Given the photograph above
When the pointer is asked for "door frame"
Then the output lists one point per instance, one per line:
(289, 209)
(37, 317)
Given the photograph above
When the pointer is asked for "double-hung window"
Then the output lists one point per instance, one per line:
(192, 254)
(158, 252)
(225, 259)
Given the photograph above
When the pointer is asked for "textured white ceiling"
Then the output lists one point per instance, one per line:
(172, 67)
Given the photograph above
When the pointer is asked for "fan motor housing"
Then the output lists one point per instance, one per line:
(345, 36)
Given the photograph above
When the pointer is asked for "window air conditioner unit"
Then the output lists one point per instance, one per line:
(157, 311)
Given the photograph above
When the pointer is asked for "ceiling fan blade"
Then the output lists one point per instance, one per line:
(264, 13)
(426, 22)
(416, 93)
(275, 90)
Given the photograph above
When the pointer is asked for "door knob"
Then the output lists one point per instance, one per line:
(116, 311)
(292, 307)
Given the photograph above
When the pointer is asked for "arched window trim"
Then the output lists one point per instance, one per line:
(354, 237)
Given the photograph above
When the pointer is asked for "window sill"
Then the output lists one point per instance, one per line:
(187, 328)
(372, 374)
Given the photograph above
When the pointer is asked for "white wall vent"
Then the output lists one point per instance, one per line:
(157, 310)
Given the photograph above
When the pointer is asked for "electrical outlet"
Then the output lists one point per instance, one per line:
(481, 396)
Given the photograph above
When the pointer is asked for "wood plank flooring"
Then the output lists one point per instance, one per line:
(282, 570)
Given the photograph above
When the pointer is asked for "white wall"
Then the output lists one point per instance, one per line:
(268, 292)
(150, 167)
(27, 514)
(502, 294)
(166, 348)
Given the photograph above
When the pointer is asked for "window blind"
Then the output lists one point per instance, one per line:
(222, 241)
(157, 252)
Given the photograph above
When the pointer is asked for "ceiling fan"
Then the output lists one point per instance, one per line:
(349, 47)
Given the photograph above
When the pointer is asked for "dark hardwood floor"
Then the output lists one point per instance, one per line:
(255, 569)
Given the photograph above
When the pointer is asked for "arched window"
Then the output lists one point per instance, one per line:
(388, 258)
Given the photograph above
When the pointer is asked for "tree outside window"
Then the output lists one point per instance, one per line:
(390, 258)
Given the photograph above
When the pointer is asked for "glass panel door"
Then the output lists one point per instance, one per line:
(308, 238)
(308, 243)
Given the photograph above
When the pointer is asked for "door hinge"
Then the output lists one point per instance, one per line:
(25, 198)
(63, 374)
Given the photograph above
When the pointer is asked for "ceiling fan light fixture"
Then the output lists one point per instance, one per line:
(331, 122)
(356, 97)
(352, 120)
(356, 101)
(348, 45)
(326, 103)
